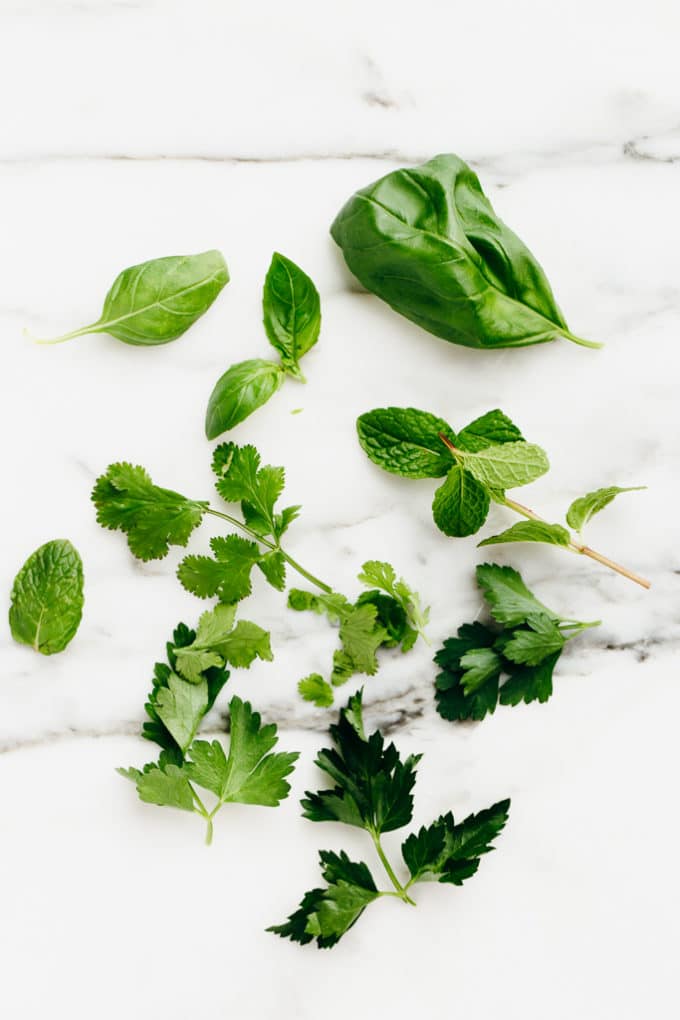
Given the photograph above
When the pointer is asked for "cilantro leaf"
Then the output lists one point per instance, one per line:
(361, 637)
(317, 690)
(240, 479)
(383, 576)
(405, 441)
(509, 599)
(460, 504)
(374, 786)
(447, 852)
(493, 427)
(152, 518)
(531, 531)
(479, 665)
(585, 507)
(542, 637)
(333, 605)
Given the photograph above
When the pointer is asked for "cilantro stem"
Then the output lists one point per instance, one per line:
(400, 890)
(274, 547)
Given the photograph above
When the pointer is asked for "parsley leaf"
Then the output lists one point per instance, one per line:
(450, 852)
(317, 690)
(509, 598)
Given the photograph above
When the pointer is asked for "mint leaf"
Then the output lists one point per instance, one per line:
(461, 504)
(152, 518)
(530, 646)
(492, 428)
(509, 599)
(292, 311)
(240, 391)
(531, 531)
(507, 465)
(584, 508)
(406, 441)
(46, 604)
(315, 689)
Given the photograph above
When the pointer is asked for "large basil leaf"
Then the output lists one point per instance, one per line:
(240, 391)
(428, 242)
(292, 311)
(157, 301)
(47, 598)
(406, 441)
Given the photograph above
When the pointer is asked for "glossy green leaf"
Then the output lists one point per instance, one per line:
(531, 531)
(292, 311)
(240, 391)
(406, 441)
(46, 604)
(428, 242)
(156, 301)
(582, 509)
(461, 504)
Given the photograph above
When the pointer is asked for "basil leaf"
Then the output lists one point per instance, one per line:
(47, 598)
(406, 441)
(157, 301)
(428, 242)
(292, 311)
(508, 465)
(461, 504)
(531, 531)
(240, 391)
(493, 427)
(582, 509)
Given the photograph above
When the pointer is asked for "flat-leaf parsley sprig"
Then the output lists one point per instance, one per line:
(478, 464)
(373, 791)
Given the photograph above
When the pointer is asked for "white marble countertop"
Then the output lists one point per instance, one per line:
(137, 129)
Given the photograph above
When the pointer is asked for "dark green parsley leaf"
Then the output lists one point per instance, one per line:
(447, 852)
(406, 441)
(509, 599)
(374, 786)
(529, 646)
(273, 566)
(460, 504)
(47, 598)
(493, 427)
(453, 702)
(152, 518)
(529, 683)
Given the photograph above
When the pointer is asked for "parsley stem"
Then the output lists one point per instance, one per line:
(203, 811)
(400, 890)
(576, 547)
(274, 547)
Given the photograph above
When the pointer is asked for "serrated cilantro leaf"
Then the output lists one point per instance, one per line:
(334, 606)
(450, 852)
(492, 428)
(529, 683)
(529, 646)
(317, 690)
(152, 518)
(460, 504)
(374, 786)
(585, 507)
(240, 479)
(273, 566)
(531, 531)
(453, 702)
(507, 465)
(218, 642)
(406, 441)
(361, 637)
(509, 599)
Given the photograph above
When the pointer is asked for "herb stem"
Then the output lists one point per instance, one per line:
(64, 338)
(400, 890)
(580, 341)
(203, 811)
(275, 547)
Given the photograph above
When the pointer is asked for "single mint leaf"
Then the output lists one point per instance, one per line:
(531, 531)
(479, 665)
(584, 508)
(273, 566)
(450, 852)
(317, 690)
(152, 518)
(529, 646)
(509, 599)
(156, 301)
(453, 703)
(254, 776)
(373, 785)
(529, 683)
(507, 465)
(240, 391)
(460, 504)
(166, 787)
(292, 311)
(46, 604)
(492, 428)
(406, 441)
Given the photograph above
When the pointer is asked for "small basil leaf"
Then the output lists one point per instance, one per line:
(428, 242)
(493, 427)
(460, 504)
(292, 311)
(240, 391)
(406, 441)
(531, 531)
(47, 598)
(582, 509)
(156, 301)
(507, 466)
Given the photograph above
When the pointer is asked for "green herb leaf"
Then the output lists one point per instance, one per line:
(273, 566)
(451, 853)
(428, 242)
(479, 665)
(582, 509)
(241, 479)
(460, 504)
(453, 702)
(510, 601)
(405, 441)
(529, 646)
(531, 531)
(529, 683)
(492, 428)
(507, 466)
(152, 518)
(156, 301)
(167, 786)
(315, 689)
(218, 642)
(292, 311)
(180, 705)
(240, 391)
(47, 598)
(227, 575)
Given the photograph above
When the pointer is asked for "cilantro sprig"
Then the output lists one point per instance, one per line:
(374, 791)
(154, 518)
(479, 464)
(521, 648)
(183, 692)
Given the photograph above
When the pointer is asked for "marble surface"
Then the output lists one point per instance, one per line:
(137, 129)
